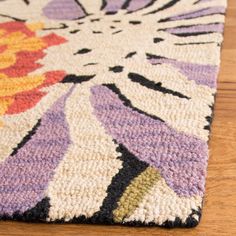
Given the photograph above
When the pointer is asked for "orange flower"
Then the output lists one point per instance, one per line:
(20, 48)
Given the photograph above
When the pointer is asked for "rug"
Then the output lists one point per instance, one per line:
(106, 109)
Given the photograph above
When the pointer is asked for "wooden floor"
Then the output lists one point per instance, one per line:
(219, 213)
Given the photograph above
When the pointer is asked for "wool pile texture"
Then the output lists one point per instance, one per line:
(105, 109)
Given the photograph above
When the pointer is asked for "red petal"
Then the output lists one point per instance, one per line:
(14, 26)
(25, 63)
(24, 101)
(53, 77)
(53, 39)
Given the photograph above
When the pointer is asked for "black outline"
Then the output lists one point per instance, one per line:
(193, 43)
(111, 12)
(26, 2)
(74, 31)
(117, 32)
(13, 18)
(152, 56)
(104, 4)
(127, 102)
(38, 213)
(116, 69)
(189, 26)
(131, 168)
(63, 26)
(198, 1)
(91, 64)
(154, 86)
(192, 34)
(209, 118)
(82, 7)
(169, 18)
(130, 54)
(157, 40)
(77, 79)
(146, 6)
(189, 223)
(94, 20)
(97, 32)
(83, 51)
(135, 22)
(166, 6)
(126, 4)
(26, 138)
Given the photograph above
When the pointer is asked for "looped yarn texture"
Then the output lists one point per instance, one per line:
(105, 109)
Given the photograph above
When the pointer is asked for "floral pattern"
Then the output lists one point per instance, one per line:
(20, 51)
(106, 109)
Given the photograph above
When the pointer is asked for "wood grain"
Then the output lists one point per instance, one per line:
(219, 213)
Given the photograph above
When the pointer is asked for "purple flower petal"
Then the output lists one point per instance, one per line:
(180, 158)
(64, 10)
(28, 170)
